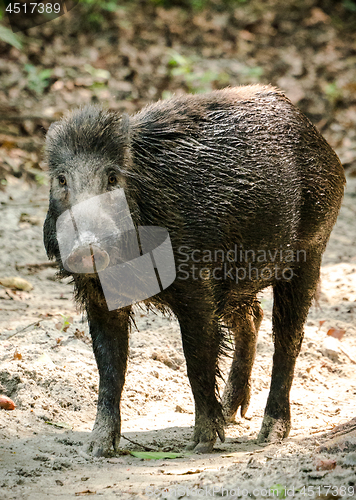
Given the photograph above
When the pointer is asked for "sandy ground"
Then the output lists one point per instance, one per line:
(50, 373)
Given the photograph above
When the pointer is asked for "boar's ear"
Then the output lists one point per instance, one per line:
(51, 130)
(125, 128)
(50, 138)
(49, 235)
(51, 127)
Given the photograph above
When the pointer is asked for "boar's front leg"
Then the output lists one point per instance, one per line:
(201, 339)
(110, 332)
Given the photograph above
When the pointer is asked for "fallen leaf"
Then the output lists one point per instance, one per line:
(184, 472)
(325, 464)
(16, 283)
(79, 334)
(6, 403)
(34, 221)
(61, 425)
(17, 355)
(317, 16)
(336, 333)
(330, 368)
(180, 409)
(165, 359)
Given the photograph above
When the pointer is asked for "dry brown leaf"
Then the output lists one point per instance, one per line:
(330, 368)
(336, 333)
(79, 334)
(317, 16)
(325, 464)
(34, 221)
(17, 355)
(6, 403)
(184, 472)
(85, 492)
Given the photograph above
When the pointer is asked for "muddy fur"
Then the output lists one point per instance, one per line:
(239, 168)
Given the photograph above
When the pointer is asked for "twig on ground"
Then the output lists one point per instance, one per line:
(25, 328)
(347, 355)
(40, 265)
(146, 448)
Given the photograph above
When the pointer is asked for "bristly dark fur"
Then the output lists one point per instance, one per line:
(237, 167)
(88, 130)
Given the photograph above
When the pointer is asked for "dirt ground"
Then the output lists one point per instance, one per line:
(48, 369)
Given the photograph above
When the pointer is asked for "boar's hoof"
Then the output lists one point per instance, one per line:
(232, 404)
(273, 430)
(205, 434)
(101, 443)
(200, 447)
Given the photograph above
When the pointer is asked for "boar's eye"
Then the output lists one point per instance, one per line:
(112, 179)
(62, 180)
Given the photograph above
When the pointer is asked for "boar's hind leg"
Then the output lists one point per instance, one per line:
(109, 332)
(291, 302)
(201, 338)
(244, 322)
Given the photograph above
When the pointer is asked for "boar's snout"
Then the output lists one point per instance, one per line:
(87, 259)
